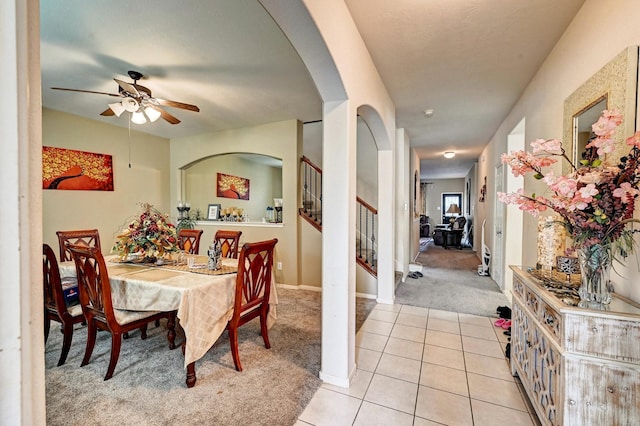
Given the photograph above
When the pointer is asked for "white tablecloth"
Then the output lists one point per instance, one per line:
(204, 302)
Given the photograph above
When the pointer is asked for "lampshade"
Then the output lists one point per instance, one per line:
(453, 209)
(138, 118)
(117, 108)
(449, 154)
(152, 113)
(130, 104)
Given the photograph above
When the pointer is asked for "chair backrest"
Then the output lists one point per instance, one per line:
(253, 282)
(459, 222)
(189, 240)
(86, 237)
(229, 242)
(52, 284)
(93, 283)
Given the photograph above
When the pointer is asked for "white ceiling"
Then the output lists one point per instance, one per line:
(469, 60)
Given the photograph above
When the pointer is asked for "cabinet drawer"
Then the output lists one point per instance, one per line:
(603, 337)
(605, 394)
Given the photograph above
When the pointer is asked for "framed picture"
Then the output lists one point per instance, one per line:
(76, 170)
(229, 186)
(213, 212)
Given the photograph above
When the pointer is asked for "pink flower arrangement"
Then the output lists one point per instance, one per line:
(596, 200)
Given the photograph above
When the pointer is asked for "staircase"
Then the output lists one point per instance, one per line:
(366, 220)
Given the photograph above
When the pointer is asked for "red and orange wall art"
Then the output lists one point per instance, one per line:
(232, 187)
(76, 170)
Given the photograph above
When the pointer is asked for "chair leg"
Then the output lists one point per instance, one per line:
(91, 342)
(264, 330)
(47, 327)
(66, 342)
(233, 340)
(116, 343)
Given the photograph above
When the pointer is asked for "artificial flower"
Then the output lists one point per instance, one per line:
(149, 235)
(595, 201)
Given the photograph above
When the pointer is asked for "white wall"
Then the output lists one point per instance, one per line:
(598, 33)
(367, 162)
(108, 211)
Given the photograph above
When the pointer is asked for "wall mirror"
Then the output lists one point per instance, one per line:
(262, 173)
(612, 87)
(582, 122)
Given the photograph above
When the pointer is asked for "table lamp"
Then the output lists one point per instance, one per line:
(453, 210)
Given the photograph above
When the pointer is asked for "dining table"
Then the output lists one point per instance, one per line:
(203, 298)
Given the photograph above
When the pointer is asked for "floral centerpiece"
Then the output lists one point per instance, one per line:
(595, 201)
(149, 235)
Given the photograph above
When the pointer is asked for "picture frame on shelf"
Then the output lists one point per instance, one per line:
(213, 212)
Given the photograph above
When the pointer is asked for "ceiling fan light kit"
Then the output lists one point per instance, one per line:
(138, 100)
(152, 114)
(117, 108)
(138, 118)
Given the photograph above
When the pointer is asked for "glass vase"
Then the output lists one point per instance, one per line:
(595, 268)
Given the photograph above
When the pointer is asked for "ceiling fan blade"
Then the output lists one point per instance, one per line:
(87, 91)
(165, 115)
(127, 87)
(177, 105)
(107, 112)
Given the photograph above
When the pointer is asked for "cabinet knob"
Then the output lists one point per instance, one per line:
(572, 402)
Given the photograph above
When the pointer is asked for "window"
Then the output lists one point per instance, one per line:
(451, 205)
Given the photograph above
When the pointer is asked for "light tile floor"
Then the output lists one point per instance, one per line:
(418, 366)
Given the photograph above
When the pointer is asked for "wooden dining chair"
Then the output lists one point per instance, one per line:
(55, 306)
(95, 299)
(189, 240)
(253, 287)
(87, 237)
(229, 242)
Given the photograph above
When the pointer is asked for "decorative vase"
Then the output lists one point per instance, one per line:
(595, 267)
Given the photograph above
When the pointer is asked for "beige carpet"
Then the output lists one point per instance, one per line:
(451, 282)
(148, 387)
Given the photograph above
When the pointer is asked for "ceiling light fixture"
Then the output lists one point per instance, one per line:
(117, 108)
(428, 112)
(152, 113)
(449, 154)
(130, 104)
(138, 117)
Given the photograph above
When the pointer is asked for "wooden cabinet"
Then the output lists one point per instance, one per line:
(578, 366)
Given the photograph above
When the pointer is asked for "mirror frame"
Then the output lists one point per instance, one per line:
(617, 82)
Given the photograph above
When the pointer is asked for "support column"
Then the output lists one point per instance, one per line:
(338, 243)
(386, 242)
(22, 393)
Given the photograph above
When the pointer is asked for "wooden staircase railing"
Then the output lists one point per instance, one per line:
(366, 224)
(366, 248)
(311, 193)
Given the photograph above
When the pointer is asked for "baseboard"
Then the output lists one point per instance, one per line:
(319, 290)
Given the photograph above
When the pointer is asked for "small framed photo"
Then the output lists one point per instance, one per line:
(213, 212)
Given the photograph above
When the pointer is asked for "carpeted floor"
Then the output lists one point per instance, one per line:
(273, 388)
(451, 282)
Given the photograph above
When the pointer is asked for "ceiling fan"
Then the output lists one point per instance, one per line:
(138, 101)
